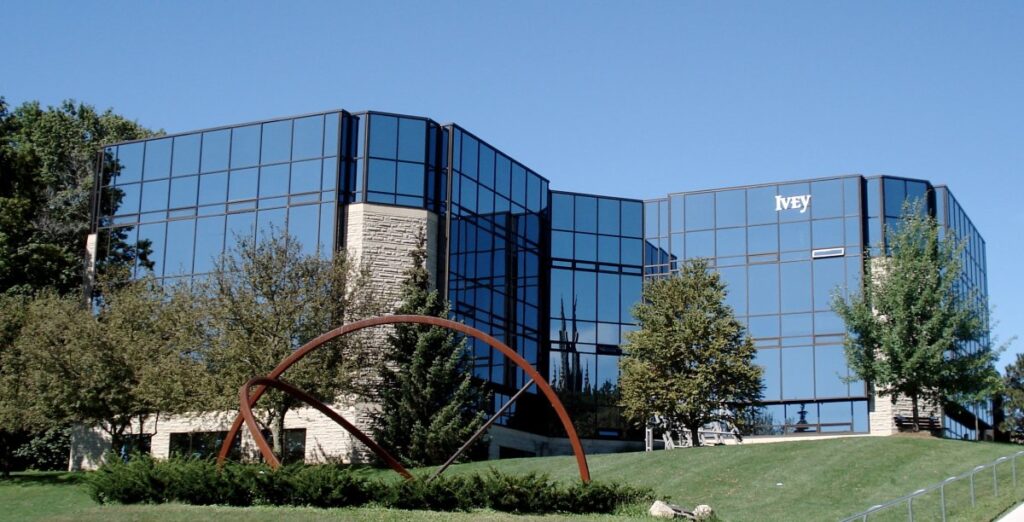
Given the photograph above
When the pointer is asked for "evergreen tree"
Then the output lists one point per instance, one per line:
(912, 332)
(430, 404)
(690, 361)
(1013, 400)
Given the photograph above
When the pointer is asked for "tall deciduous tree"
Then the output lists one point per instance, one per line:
(48, 159)
(267, 298)
(690, 361)
(1013, 400)
(429, 403)
(911, 331)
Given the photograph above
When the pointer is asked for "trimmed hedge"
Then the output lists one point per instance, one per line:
(192, 481)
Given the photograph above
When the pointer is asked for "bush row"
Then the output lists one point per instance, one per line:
(191, 481)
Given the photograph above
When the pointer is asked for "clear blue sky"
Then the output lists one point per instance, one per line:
(631, 99)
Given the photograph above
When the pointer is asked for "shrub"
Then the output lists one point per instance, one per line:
(194, 481)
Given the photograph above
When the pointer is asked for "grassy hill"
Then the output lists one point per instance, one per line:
(819, 480)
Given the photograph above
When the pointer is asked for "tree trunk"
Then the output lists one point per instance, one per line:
(277, 434)
(913, 402)
(695, 435)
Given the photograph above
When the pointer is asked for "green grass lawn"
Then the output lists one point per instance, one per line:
(820, 480)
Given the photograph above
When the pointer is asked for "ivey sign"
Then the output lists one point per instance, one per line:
(801, 203)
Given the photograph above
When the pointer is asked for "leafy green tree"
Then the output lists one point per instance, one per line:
(1013, 400)
(910, 329)
(14, 419)
(48, 160)
(690, 361)
(429, 403)
(267, 298)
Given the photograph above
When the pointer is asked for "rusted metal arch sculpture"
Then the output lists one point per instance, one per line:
(248, 398)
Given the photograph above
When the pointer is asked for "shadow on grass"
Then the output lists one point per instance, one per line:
(42, 478)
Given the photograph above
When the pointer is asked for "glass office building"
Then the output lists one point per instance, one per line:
(553, 274)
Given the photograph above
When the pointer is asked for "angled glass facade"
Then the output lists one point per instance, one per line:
(552, 274)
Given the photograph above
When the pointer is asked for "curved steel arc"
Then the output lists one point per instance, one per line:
(545, 388)
(268, 454)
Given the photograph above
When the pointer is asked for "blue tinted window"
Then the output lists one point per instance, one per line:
(412, 136)
(851, 196)
(277, 139)
(700, 244)
(381, 177)
(213, 188)
(608, 249)
(828, 278)
(209, 243)
(470, 157)
(240, 226)
(731, 208)
(916, 191)
(154, 196)
(274, 181)
(586, 247)
(215, 150)
(245, 146)
(608, 216)
(586, 214)
(763, 239)
(158, 159)
(467, 197)
(772, 376)
(677, 220)
(305, 177)
(503, 175)
(186, 155)
(608, 297)
(269, 222)
(331, 142)
(798, 373)
(700, 211)
(326, 229)
(631, 288)
(651, 219)
(183, 192)
(827, 198)
(151, 245)
(561, 244)
(129, 198)
(827, 233)
(830, 370)
(330, 174)
(895, 192)
(735, 279)
(410, 178)
(764, 289)
(795, 236)
(796, 281)
(871, 194)
(586, 294)
(533, 193)
(828, 323)
(302, 226)
(852, 231)
(797, 325)
(242, 184)
(632, 251)
(632, 219)
(129, 160)
(731, 242)
(677, 247)
(180, 234)
(486, 166)
(562, 211)
(761, 206)
(519, 186)
(765, 326)
(308, 137)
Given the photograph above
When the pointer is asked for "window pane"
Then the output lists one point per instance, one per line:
(586, 295)
(269, 222)
(830, 370)
(735, 279)
(762, 239)
(608, 249)
(410, 178)
(852, 231)
(761, 206)
(828, 278)
(326, 230)
(412, 135)
(764, 327)
(794, 202)
(700, 211)
(215, 150)
(245, 146)
(630, 290)
(828, 323)
(183, 192)
(586, 214)
(731, 208)
(632, 251)
(487, 167)
(586, 247)
(608, 216)
(562, 211)
(827, 233)
(470, 157)
(302, 226)
(158, 159)
(851, 196)
(330, 174)
(129, 160)
(305, 177)
(764, 289)
(180, 235)
(797, 325)
(503, 175)
(242, 184)
(797, 373)
(772, 377)
(795, 236)
(381, 176)
(731, 242)
(632, 219)
(213, 188)
(895, 192)
(796, 286)
(129, 198)
(827, 198)
(651, 219)
(608, 297)
(277, 139)
(209, 243)
(240, 226)
(274, 181)
(533, 193)
(331, 143)
(186, 155)
(307, 141)
(677, 221)
(154, 196)
(700, 244)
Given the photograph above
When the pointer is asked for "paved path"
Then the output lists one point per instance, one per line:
(1017, 515)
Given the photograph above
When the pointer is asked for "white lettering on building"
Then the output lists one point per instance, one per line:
(801, 203)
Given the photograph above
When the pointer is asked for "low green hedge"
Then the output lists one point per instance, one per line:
(191, 481)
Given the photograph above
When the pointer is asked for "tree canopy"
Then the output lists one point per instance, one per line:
(690, 361)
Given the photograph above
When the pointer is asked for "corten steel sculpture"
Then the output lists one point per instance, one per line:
(247, 396)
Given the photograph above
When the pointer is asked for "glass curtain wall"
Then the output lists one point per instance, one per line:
(171, 205)
(782, 251)
(596, 278)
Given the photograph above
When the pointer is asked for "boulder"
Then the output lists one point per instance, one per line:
(703, 512)
(661, 509)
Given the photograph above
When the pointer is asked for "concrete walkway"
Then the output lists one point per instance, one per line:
(1016, 515)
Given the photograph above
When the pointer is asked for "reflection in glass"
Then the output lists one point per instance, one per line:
(412, 135)
(307, 139)
(183, 192)
(245, 146)
(158, 159)
(215, 150)
(277, 139)
(129, 160)
(180, 235)
(154, 196)
(796, 280)
(700, 211)
(764, 289)
(209, 243)
(186, 155)
(731, 208)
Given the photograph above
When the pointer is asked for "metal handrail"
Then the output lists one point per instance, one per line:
(909, 498)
